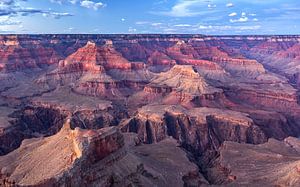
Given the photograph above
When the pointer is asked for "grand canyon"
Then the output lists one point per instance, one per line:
(149, 110)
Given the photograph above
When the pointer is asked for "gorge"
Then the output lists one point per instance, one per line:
(149, 110)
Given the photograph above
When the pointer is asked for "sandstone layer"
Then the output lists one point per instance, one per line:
(149, 110)
(95, 158)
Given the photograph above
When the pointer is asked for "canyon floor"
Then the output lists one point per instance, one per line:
(149, 110)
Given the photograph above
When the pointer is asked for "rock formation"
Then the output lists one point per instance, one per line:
(149, 110)
(95, 158)
(198, 128)
(274, 163)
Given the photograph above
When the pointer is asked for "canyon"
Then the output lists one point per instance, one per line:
(149, 110)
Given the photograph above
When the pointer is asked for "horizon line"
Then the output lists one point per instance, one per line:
(133, 34)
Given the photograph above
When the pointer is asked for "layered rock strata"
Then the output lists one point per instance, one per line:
(96, 158)
(274, 163)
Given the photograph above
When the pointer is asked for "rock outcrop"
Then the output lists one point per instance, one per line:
(16, 55)
(274, 163)
(188, 106)
(96, 158)
(28, 123)
(183, 84)
(276, 97)
(199, 129)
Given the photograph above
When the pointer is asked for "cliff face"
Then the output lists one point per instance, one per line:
(202, 129)
(95, 157)
(18, 55)
(205, 94)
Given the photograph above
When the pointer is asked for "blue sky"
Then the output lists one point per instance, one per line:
(150, 16)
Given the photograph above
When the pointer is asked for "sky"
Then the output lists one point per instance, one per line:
(212, 17)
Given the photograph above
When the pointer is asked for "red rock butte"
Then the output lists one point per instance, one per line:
(149, 110)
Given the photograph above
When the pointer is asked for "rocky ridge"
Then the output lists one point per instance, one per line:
(94, 157)
(209, 95)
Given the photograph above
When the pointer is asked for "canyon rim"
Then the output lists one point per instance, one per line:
(150, 102)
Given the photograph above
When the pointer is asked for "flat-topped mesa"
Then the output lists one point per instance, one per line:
(182, 84)
(185, 72)
(72, 103)
(154, 123)
(282, 98)
(180, 78)
(240, 65)
(183, 79)
(203, 64)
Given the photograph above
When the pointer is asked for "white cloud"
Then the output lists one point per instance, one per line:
(58, 15)
(210, 6)
(200, 28)
(254, 27)
(65, 1)
(148, 23)
(12, 8)
(57, 1)
(91, 4)
(156, 24)
(6, 20)
(141, 22)
(182, 25)
(228, 27)
(9, 24)
(232, 14)
(229, 5)
(186, 8)
(205, 27)
(73, 1)
(242, 19)
(7, 2)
